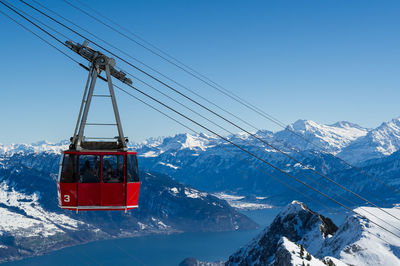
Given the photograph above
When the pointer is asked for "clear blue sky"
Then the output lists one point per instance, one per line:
(320, 60)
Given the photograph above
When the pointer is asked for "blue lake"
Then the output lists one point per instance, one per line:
(160, 249)
(155, 250)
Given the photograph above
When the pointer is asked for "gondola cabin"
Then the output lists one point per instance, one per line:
(98, 175)
(98, 180)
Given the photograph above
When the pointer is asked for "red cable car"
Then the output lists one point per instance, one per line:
(99, 180)
(98, 175)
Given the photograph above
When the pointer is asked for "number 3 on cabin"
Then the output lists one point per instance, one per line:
(67, 198)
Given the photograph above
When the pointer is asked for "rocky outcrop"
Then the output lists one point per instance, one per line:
(296, 223)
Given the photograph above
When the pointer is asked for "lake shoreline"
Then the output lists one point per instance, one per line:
(156, 237)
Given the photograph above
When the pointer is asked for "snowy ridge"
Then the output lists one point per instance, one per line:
(379, 142)
(295, 222)
(290, 253)
(37, 147)
(155, 147)
(360, 242)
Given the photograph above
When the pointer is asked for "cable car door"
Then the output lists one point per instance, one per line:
(133, 184)
(89, 192)
(113, 181)
(67, 185)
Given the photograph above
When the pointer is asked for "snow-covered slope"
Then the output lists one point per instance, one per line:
(379, 142)
(290, 253)
(31, 219)
(360, 242)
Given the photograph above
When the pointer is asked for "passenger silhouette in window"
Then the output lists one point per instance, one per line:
(89, 169)
(113, 168)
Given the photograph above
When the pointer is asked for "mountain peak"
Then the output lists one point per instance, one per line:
(393, 124)
(346, 124)
(297, 223)
(379, 142)
(303, 125)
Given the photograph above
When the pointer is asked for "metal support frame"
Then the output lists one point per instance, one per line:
(99, 63)
(115, 107)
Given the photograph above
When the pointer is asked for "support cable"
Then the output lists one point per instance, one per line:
(37, 20)
(213, 112)
(40, 37)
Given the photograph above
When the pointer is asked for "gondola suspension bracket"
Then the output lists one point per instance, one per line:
(98, 62)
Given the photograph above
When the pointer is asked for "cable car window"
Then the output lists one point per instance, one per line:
(89, 169)
(113, 168)
(68, 174)
(132, 168)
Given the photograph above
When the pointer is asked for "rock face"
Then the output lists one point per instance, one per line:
(297, 223)
(299, 236)
(29, 213)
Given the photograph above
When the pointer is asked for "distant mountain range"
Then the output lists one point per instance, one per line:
(347, 140)
(209, 164)
(301, 236)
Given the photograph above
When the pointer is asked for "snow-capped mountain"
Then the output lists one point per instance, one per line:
(300, 236)
(37, 147)
(332, 138)
(379, 142)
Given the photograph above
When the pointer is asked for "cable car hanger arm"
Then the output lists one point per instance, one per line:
(98, 60)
